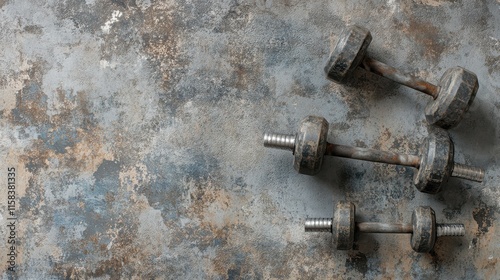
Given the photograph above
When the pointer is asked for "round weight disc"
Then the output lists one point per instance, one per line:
(348, 53)
(310, 145)
(424, 229)
(436, 162)
(343, 225)
(458, 87)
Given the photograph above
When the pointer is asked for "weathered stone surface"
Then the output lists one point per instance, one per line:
(135, 130)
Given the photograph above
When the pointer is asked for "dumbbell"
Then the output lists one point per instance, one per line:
(423, 227)
(435, 164)
(452, 96)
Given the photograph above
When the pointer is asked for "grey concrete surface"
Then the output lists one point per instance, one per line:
(135, 128)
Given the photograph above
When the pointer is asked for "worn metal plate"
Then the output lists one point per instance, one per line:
(135, 130)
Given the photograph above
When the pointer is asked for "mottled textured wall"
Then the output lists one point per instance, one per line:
(135, 128)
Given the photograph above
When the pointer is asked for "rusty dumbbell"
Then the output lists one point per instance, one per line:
(452, 96)
(423, 227)
(435, 163)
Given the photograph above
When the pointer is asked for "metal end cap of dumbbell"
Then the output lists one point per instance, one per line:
(436, 162)
(424, 234)
(310, 145)
(457, 90)
(348, 53)
(343, 225)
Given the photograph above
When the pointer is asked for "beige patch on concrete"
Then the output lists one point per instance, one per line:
(396, 260)
(427, 37)
(211, 205)
(89, 153)
(162, 39)
(486, 258)
(134, 176)
(22, 175)
(10, 85)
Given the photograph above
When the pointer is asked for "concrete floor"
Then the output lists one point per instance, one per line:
(135, 128)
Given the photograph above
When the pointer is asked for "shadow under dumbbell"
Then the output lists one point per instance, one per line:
(374, 87)
(333, 175)
(456, 193)
(347, 183)
(366, 243)
(447, 247)
(477, 133)
(365, 91)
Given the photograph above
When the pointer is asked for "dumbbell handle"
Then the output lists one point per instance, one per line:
(441, 229)
(370, 227)
(325, 225)
(394, 74)
(287, 142)
(372, 155)
(459, 170)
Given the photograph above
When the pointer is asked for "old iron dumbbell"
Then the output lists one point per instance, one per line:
(452, 97)
(435, 164)
(423, 227)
